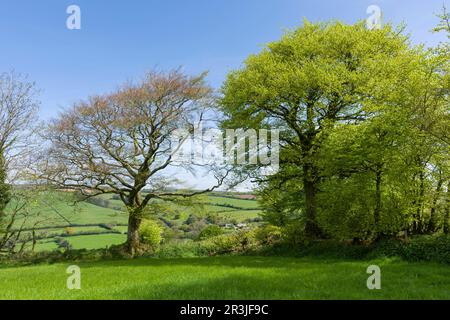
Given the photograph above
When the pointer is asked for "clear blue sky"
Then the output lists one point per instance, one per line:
(120, 40)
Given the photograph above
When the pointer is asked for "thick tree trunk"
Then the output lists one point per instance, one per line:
(312, 229)
(133, 239)
(310, 174)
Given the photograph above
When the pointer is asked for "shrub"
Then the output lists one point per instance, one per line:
(268, 234)
(294, 235)
(428, 248)
(151, 234)
(191, 219)
(221, 244)
(247, 239)
(179, 250)
(171, 234)
(63, 243)
(228, 243)
(255, 219)
(69, 230)
(209, 232)
(420, 248)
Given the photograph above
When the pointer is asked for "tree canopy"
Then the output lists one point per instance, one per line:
(357, 109)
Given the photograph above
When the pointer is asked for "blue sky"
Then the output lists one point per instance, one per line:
(120, 40)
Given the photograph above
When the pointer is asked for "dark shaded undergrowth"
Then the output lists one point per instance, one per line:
(418, 249)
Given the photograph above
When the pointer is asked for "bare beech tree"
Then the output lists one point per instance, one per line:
(122, 143)
(18, 109)
(17, 113)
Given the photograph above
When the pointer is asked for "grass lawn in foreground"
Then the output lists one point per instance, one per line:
(232, 277)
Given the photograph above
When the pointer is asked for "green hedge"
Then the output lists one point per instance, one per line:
(234, 243)
(420, 248)
(253, 242)
(426, 248)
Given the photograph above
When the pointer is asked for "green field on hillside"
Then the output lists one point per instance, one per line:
(58, 212)
(232, 277)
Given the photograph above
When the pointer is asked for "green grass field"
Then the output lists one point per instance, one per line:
(96, 241)
(57, 210)
(232, 277)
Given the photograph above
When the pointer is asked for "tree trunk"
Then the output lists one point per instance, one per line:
(133, 239)
(431, 228)
(377, 211)
(5, 196)
(310, 174)
(33, 245)
(312, 229)
(418, 225)
(447, 212)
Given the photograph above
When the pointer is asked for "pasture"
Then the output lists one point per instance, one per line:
(102, 223)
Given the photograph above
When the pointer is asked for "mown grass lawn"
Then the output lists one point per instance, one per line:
(232, 277)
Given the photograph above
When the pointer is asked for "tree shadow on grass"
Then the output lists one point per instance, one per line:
(298, 281)
(231, 287)
(226, 261)
(250, 277)
(245, 278)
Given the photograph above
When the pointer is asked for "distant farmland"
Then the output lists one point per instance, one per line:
(102, 221)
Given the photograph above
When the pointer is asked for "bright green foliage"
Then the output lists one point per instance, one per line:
(268, 234)
(151, 232)
(283, 201)
(210, 231)
(315, 78)
(364, 120)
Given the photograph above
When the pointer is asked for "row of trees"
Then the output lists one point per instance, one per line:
(363, 115)
(365, 118)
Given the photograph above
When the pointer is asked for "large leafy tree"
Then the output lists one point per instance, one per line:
(315, 77)
(441, 128)
(123, 143)
(386, 174)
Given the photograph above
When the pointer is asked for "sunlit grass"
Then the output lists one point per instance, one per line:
(229, 278)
